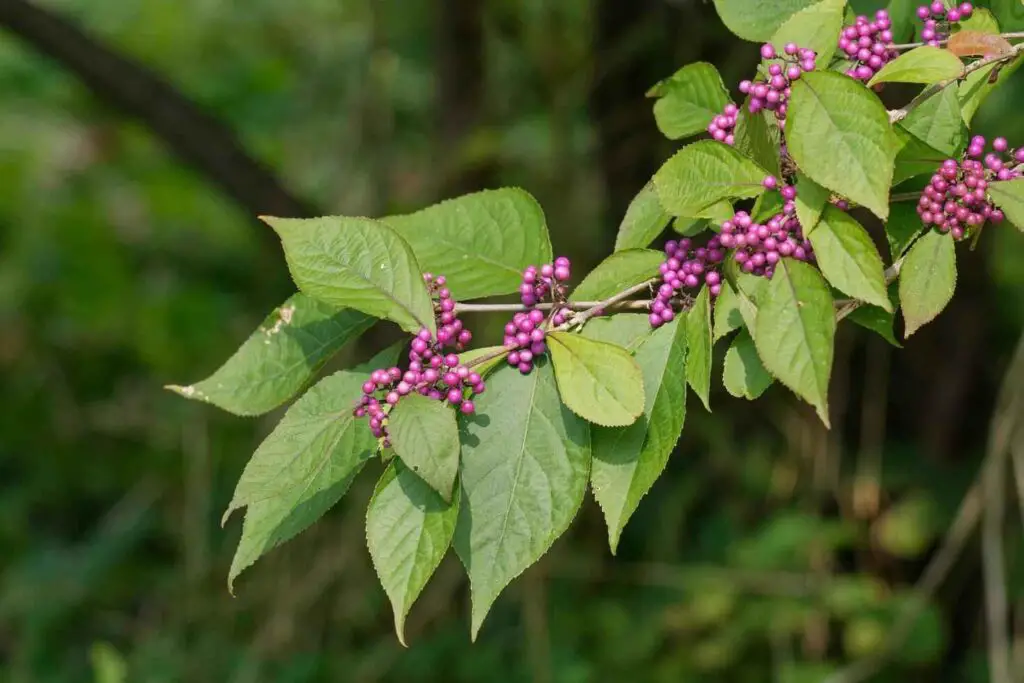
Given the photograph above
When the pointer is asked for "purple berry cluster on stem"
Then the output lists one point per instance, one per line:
(432, 371)
(769, 92)
(773, 92)
(938, 20)
(524, 334)
(956, 200)
(757, 247)
(869, 44)
(686, 267)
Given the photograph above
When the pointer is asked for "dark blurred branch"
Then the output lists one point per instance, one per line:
(461, 92)
(196, 137)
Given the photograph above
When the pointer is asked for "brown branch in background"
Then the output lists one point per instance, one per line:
(192, 134)
(461, 94)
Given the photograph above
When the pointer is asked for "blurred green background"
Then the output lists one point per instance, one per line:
(771, 550)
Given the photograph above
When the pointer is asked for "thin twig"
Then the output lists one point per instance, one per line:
(601, 306)
(896, 115)
(572, 305)
(1004, 425)
(959, 533)
(905, 196)
(910, 46)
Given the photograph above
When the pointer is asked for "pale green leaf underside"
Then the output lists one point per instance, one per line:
(424, 435)
(628, 461)
(795, 332)
(839, 135)
(688, 100)
(924, 65)
(408, 531)
(703, 173)
(1008, 195)
(727, 316)
(356, 263)
(619, 271)
(927, 279)
(525, 467)
(848, 258)
(481, 242)
(699, 341)
(744, 376)
(644, 220)
(280, 357)
(598, 381)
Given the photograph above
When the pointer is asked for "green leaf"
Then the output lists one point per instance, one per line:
(838, 133)
(902, 228)
(757, 138)
(914, 157)
(305, 465)
(814, 27)
(480, 242)
(977, 86)
(927, 279)
(717, 213)
(727, 312)
(280, 357)
(924, 65)
(628, 461)
(703, 173)
(982, 21)
(598, 381)
(811, 199)
(525, 466)
(408, 531)
(424, 435)
(700, 342)
(903, 19)
(690, 227)
(767, 205)
(744, 375)
(1009, 13)
(877, 320)
(644, 220)
(848, 258)
(357, 263)
(617, 272)
(1008, 195)
(937, 122)
(688, 100)
(484, 360)
(759, 19)
(627, 330)
(795, 331)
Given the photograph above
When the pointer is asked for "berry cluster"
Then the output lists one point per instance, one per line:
(868, 44)
(769, 93)
(773, 92)
(956, 200)
(432, 372)
(549, 279)
(524, 334)
(685, 267)
(757, 247)
(722, 126)
(938, 20)
(450, 331)
(524, 339)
